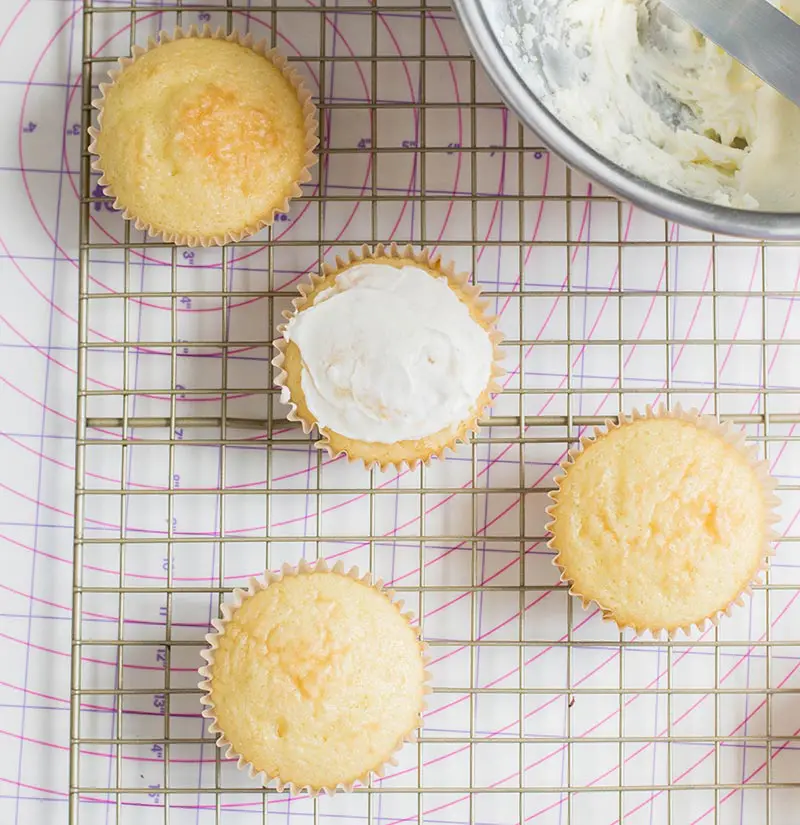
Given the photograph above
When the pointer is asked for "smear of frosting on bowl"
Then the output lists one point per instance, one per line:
(647, 91)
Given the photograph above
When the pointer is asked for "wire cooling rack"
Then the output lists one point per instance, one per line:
(189, 479)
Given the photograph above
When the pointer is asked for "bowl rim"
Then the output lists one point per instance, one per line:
(724, 220)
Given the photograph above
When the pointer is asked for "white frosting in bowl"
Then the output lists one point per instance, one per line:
(645, 90)
(390, 354)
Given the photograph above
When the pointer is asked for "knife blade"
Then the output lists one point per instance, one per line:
(755, 33)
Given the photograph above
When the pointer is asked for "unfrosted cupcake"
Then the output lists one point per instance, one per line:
(663, 519)
(315, 678)
(202, 138)
(390, 355)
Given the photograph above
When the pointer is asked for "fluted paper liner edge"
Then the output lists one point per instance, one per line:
(257, 584)
(729, 434)
(460, 283)
(309, 119)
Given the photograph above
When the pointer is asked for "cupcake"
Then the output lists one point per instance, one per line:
(390, 355)
(315, 678)
(663, 519)
(203, 139)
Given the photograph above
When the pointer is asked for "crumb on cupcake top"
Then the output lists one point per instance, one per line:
(661, 522)
(317, 679)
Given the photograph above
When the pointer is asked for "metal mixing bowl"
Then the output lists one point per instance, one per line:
(483, 24)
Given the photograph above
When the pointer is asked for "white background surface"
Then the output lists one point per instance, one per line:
(576, 293)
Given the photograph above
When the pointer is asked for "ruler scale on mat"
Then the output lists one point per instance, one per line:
(189, 478)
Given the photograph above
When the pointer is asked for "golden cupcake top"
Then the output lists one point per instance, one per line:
(660, 521)
(203, 138)
(317, 679)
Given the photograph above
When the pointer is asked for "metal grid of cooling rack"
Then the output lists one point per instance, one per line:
(540, 713)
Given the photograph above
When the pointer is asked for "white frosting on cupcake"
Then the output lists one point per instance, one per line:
(390, 354)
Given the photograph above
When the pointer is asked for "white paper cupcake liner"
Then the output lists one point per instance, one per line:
(309, 116)
(207, 673)
(733, 436)
(404, 453)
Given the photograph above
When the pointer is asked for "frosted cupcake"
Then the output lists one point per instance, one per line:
(664, 520)
(390, 355)
(315, 678)
(202, 138)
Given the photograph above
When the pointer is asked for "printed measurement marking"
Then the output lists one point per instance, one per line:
(160, 703)
(161, 656)
(30, 128)
(453, 146)
(176, 481)
(180, 387)
(204, 17)
(74, 130)
(188, 255)
(185, 302)
(162, 611)
(158, 750)
(283, 217)
(365, 143)
(156, 797)
(98, 192)
(409, 144)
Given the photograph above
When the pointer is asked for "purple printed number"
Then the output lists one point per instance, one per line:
(156, 797)
(30, 128)
(161, 656)
(160, 703)
(158, 750)
(185, 302)
(188, 255)
(538, 155)
(74, 130)
(176, 481)
(98, 192)
(409, 144)
(283, 217)
(365, 143)
(204, 17)
(453, 146)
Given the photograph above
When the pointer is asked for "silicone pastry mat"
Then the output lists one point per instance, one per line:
(185, 463)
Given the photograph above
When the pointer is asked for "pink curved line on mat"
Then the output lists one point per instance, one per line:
(124, 757)
(737, 329)
(233, 305)
(589, 336)
(459, 129)
(74, 89)
(798, 513)
(95, 661)
(500, 185)
(740, 660)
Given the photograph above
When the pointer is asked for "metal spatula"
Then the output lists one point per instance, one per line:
(755, 33)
